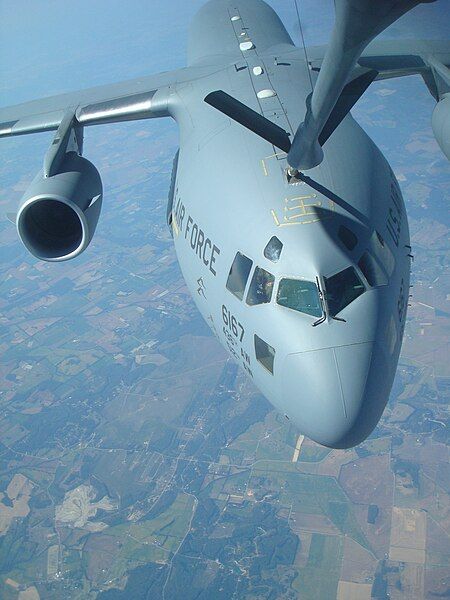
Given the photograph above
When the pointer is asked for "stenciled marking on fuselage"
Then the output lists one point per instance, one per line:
(394, 216)
(402, 302)
(303, 210)
(278, 157)
(234, 333)
(178, 215)
(202, 245)
(201, 290)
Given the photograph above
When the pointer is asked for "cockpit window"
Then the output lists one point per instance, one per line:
(342, 289)
(238, 276)
(371, 270)
(347, 237)
(261, 287)
(382, 253)
(273, 249)
(300, 295)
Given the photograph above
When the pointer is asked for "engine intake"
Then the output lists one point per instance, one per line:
(58, 215)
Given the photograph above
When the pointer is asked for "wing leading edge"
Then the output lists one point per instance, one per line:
(394, 58)
(141, 98)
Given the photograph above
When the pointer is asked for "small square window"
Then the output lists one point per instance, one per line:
(238, 276)
(273, 249)
(265, 354)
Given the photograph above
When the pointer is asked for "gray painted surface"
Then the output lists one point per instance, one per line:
(231, 194)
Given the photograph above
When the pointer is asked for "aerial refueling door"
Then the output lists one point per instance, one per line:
(172, 191)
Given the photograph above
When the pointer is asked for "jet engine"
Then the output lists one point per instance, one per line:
(441, 124)
(58, 215)
(59, 212)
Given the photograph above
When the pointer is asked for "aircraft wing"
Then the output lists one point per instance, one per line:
(141, 98)
(394, 58)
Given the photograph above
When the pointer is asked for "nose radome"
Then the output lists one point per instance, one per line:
(332, 394)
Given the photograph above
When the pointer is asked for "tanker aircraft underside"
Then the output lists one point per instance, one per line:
(288, 223)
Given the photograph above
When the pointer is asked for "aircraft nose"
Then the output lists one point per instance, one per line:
(336, 395)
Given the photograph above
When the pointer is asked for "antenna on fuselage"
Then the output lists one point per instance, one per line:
(302, 38)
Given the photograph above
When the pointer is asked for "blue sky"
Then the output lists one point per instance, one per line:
(49, 46)
(52, 46)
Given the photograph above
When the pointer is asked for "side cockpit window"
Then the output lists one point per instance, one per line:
(377, 263)
(347, 237)
(265, 354)
(382, 253)
(261, 287)
(371, 270)
(300, 295)
(342, 289)
(238, 276)
(273, 249)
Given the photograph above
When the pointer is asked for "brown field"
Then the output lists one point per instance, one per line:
(301, 558)
(438, 544)
(412, 583)
(18, 492)
(30, 593)
(37, 325)
(400, 413)
(101, 551)
(300, 522)
(332, 463)
(348, 590)
(357, 564)
(368, 480)
(437, 582)
(377, 534)
(408, 535)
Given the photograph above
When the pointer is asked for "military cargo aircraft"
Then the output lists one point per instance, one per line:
(288, 223)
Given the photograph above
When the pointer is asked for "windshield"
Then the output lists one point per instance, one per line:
(300, 295)
(342, 289)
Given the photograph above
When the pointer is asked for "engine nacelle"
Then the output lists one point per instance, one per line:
(441, 124)
(58, 214)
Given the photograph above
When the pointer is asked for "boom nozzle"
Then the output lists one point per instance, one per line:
(357, 23)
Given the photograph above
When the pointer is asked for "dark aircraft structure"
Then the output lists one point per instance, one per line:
(288, 222)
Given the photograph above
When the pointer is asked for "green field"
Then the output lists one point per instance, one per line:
(319, 579)
(310, 494)
(313, 453)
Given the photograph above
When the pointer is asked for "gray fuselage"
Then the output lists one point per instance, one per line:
(231, 194)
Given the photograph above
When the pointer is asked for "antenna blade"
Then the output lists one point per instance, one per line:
(249, 118)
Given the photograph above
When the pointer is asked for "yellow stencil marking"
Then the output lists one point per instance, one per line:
(277, 155)
(264, 168)
(297, 210)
